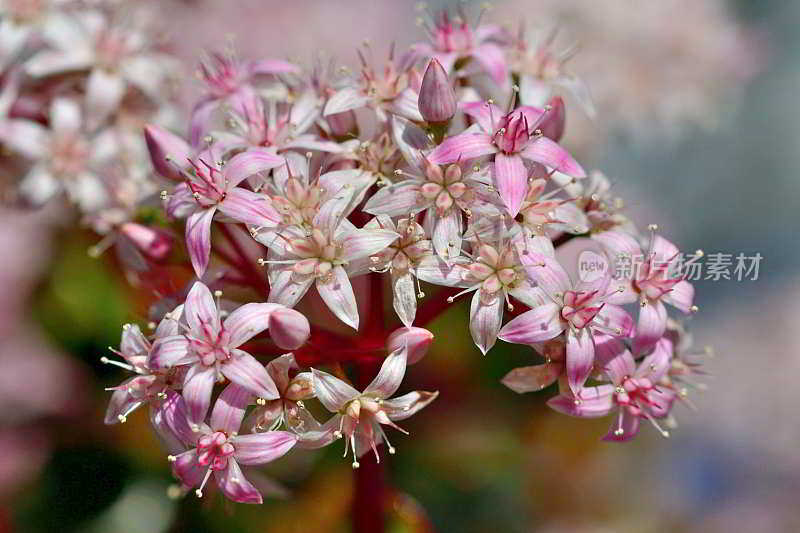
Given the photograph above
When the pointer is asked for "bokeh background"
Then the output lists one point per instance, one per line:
(699, 127)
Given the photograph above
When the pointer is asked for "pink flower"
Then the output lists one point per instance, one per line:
(210, 187)
(210, 346)
(653, 281)
(545, 211)
(446, 194)
(229, 82)
(452, 39)
(326, 255)
(218, 448)
(634, 392)
(580, 310)
(511, 138)
(360, 415)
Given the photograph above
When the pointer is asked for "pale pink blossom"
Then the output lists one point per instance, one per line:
(581, 311)
(218, 448)
(511, 139)
(210, 346)
(360, 415)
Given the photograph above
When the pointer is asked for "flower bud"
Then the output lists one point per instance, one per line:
(168, 152)
(288, 328)
(153, 243)
(437, 100)
(418, 341)
(555, 120)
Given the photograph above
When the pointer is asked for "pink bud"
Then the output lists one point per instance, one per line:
(168, 152)
(154, 243)
(418, 339)
(343, 123)
(555, 120)
(288, 328)
(437, 101)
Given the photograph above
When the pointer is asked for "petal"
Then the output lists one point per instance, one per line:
(537, 325)
(272, 66)
(580, 358)
(197, 393)
(200, 312)
(447, 232)
(65, 115)
(187, 469)
(619, 367)
(511, 179)
(337, 293)
(285, 290)
(278, 369)
(254, 160)
(618, 246)
(406, 405)
(493, 60)
(594, 402)
(616, 319)
(229, 409)
(364, 242)
(235, 486)
(390, 375)
(404, 297)
(485, 320)
(663, 249)
(181, 203)
(434, 270)
(398, 199)
(485, 114)
(198, 239)
(104, 91)
(260, 448)
(311, 434)
(406, 105)
(547, 272)
(249, 207)
(331, 391)
(25, 137)
(532, 378)
(198, 123)
(170, 351)
(547, 152)
(462, 147)
(651, 325)
(345, 100)
(681, 296)
(624, 428)
(243, 369)
(247, 321)
(121, 404)
(656, 365)
(410, 140)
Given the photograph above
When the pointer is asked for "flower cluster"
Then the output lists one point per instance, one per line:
(294, 187)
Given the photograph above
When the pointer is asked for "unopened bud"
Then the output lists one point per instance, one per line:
(437, 100)
(553, 124)
(154, 243)
(417, 339)
(288, 328)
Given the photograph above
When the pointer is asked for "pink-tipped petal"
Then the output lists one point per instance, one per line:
(547, 272)
(418, 340)
(197, 394)
(623, 428)
(364, 242)
(229, 409)
(244, 370)
(260, 448)
(651, 325)
(619, 367)
(288, 328)
(485, 320)
(390, 375)
(200, 312)
(331, 391)
(198, 239)
(398, 199)
(555, 121)
(511, 179)
(657, 364)
(235, 486)
(463, 147)
(247, 321)
(248, 163)
(485, 114)
(532, 378)
(272, 66)
(170, 351)
(187, 470)
(406, 405)
(249, 208)
(337, 293)
(681, 296)
(614, 320)
(580, 358)
(537, 325)
(434, 269)
(154, 243)
(593, 402)
(493, 60)
(547, 152)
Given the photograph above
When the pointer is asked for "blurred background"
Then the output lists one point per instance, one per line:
(697, 126)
